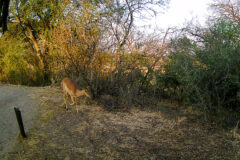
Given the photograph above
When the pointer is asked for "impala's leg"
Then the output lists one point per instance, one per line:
(76, 104)
(72, 98)
(64, 97)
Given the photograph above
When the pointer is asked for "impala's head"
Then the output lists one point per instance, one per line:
(83, 93)
(86, 93)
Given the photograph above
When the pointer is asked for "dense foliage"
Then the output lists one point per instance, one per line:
(207, 75)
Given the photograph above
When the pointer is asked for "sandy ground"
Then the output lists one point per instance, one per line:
(14, 96)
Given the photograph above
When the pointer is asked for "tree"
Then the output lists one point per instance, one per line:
(33, 20)
(118, 18)
(227, 9)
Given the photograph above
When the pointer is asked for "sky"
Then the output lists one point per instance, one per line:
(180, 12)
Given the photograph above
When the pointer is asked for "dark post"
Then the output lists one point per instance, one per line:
(20, 122)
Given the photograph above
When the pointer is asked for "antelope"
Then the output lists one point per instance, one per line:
(69, 87)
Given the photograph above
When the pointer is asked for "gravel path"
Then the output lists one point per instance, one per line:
(14, 96)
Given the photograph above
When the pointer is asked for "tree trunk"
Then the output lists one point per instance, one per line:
(1, 8)
(35, 44)
(4, 5)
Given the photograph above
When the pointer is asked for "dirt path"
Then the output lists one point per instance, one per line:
(10, 97)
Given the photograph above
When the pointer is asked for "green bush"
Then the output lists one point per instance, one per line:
(207, 75)
(17, 62)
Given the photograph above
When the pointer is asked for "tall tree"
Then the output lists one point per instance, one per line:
(35, 18)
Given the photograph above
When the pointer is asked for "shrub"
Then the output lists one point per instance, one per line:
(17, 62)
(207, 75)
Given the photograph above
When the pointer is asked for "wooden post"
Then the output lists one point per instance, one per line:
(20, 122)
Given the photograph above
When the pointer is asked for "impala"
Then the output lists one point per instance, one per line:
(69, 87)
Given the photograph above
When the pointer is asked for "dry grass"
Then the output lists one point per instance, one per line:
(98, 133)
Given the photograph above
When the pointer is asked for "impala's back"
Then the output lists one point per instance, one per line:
(69, 86)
